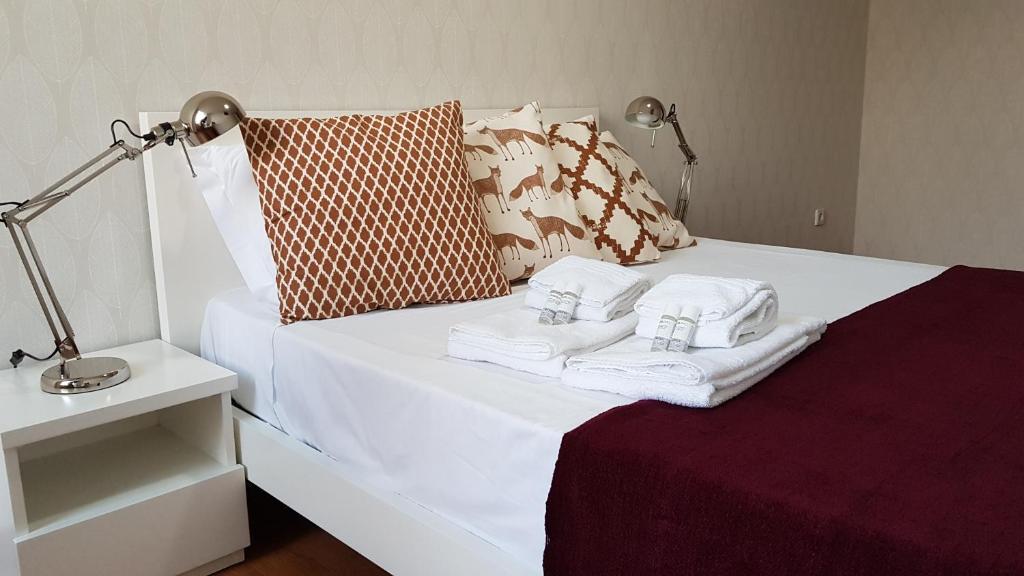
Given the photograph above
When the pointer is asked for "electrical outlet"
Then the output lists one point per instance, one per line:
(819, 217)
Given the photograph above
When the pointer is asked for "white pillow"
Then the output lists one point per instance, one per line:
(224, 178)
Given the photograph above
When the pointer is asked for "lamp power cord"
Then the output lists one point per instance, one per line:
(113, 132)
(19, 355)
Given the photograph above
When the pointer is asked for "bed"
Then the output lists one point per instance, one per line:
(422, 463)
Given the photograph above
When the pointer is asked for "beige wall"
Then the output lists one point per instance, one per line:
(770, 96)
(942, 156)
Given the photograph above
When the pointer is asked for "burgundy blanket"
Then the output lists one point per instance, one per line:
(893, 446)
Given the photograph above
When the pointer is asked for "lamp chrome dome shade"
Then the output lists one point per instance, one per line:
(210, 114)
(646, 112)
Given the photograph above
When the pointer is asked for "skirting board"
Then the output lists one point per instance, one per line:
(399, 536)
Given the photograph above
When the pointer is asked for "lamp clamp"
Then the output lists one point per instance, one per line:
(170, 133)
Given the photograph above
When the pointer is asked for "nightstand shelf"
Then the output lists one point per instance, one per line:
(136, 479)
(109, 475)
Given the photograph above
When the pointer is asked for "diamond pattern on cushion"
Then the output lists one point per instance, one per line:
(657, 217)
(602, 198)
(367, 212)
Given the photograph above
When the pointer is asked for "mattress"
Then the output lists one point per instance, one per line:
(472, 442)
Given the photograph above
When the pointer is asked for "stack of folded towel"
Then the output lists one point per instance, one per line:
(700, 378)
(600, 314)
(731, 330)
(607, 290)
(732, 311)
(577, 322)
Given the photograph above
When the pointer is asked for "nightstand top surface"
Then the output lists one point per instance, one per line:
(162, 376)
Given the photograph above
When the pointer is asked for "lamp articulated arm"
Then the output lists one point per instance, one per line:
(673, 119)
(686, 181)
(17, 220)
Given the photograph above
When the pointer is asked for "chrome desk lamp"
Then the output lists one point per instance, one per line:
(204, 117)
(649, 113)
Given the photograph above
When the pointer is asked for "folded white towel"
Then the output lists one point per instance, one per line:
(607, 290)
(733, 311)
(516, 340)
(700, 378)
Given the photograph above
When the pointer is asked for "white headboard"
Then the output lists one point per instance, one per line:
(192, 263)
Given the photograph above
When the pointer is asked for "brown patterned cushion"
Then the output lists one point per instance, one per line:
(531, 218)
(656, 214)
(367, 212)
(602, 198)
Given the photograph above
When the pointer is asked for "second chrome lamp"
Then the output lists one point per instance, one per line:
(649, 113)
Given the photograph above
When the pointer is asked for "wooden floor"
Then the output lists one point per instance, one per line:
(286, 544)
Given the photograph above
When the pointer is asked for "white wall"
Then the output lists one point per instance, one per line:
(942, 157)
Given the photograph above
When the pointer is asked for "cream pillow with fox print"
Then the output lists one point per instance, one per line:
(529, 213)
(602, 197)
(657, 216)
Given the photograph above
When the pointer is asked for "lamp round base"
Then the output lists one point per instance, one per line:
(85, 375)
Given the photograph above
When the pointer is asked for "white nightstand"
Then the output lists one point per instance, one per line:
(137, 479)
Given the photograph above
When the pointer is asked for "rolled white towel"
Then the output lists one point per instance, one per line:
(700, 378)
(516, 340)
(733, 311)
(607, 290)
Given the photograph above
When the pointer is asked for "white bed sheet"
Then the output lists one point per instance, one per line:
(472, 442)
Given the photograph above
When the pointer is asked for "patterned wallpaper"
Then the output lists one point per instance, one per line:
(769, 95)
(942, 161)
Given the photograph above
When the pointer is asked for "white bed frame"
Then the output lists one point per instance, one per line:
(192, 265)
